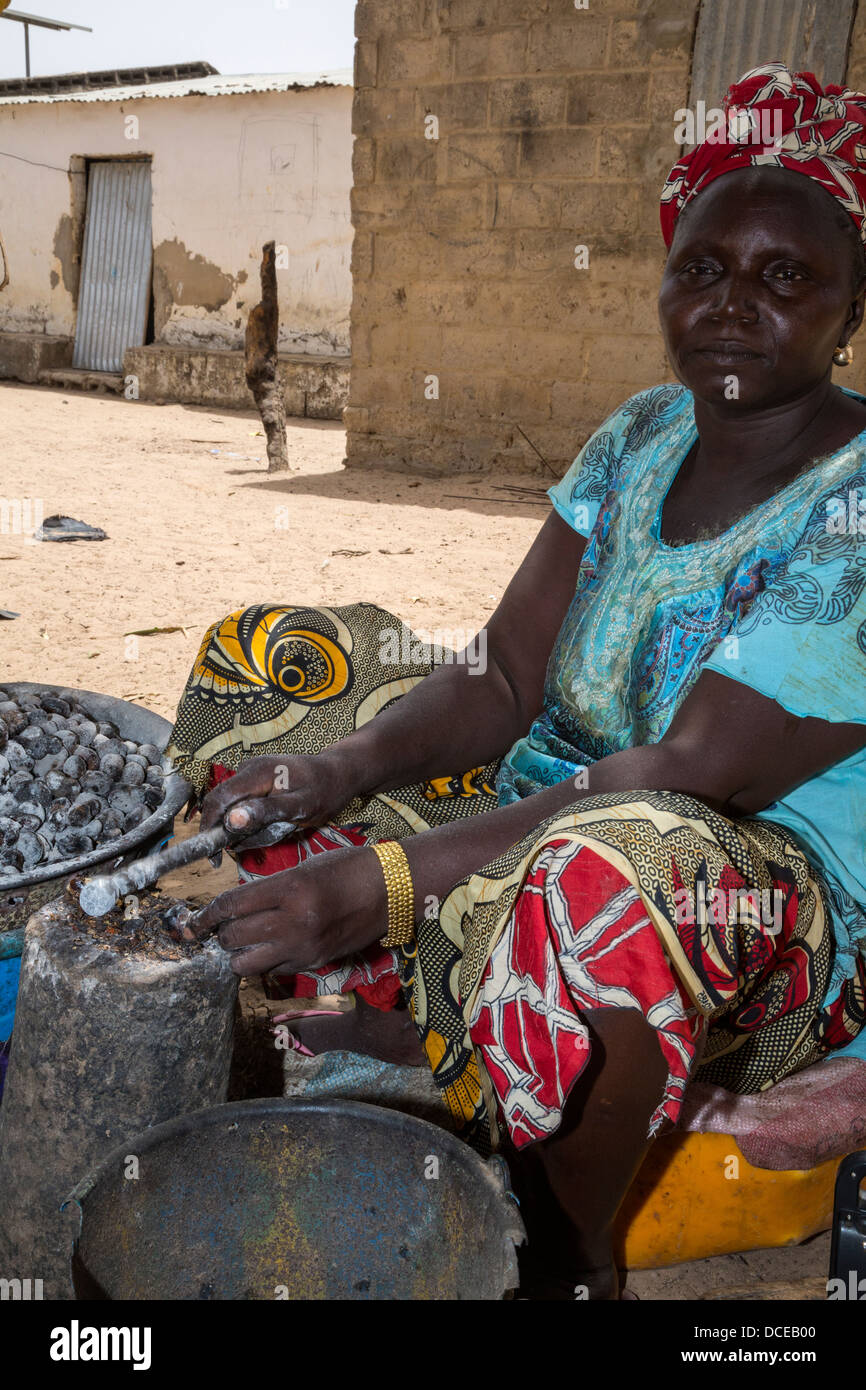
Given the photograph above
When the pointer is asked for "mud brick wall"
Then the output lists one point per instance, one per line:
(470, 321)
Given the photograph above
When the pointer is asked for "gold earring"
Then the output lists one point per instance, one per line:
(844, 356)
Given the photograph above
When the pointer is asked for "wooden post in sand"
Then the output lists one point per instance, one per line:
(260, 353)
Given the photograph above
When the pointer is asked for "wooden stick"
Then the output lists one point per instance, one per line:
(549, 468)
(511, 501)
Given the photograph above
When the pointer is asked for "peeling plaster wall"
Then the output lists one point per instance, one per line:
(229, 173)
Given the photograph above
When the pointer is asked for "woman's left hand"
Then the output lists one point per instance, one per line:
(329, 906)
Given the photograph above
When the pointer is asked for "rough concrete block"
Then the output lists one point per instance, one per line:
(662, 35)
(466, 352)
(446, 209)
(379, 385)
(393, 454)
(492, 54)
(482, 156)
(360, 344)
(24, 355)
(316, 386)
(527, 101)
(376, 17)
(549, 352)
(465, 14)
(639, 151)
(393, 345)
(669, 91)
(480, 254)
(634, 358)
(478, 14)
(514, 397)
(607, 99)
(362, 255)
(363, 160)
(457, 105)
(569, 45)
(366, 62)
(357, 418)
(528, 204)
(538, 250)
(406, 252)
(588, 206)
(415, 60)
(525, 11)
(548, 153)
(379, 205)
(418, 419)
(380, 111)
(407, 159)
(441, 302)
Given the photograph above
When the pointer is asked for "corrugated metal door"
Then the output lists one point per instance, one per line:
(736, 35)
(115, 272)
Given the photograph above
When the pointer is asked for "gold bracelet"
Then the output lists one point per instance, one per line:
(401, 893)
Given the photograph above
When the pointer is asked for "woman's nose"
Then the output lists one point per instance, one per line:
(734, 301)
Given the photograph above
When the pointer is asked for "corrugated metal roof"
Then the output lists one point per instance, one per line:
(107, 77)
(216, 86)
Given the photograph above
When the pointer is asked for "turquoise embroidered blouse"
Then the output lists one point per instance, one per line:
(777, 601)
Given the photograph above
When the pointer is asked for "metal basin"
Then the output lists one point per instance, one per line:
(295, 1199)
(21, 894)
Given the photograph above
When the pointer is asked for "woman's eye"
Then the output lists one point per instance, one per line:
(699, 268)
(786, 274)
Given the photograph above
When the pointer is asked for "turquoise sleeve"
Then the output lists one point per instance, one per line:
(578, 496)
(802, 641)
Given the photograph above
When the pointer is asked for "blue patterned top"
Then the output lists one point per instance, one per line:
(777, 601)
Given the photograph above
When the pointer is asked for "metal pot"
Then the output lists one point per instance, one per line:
(22, 894)
(295, 1199)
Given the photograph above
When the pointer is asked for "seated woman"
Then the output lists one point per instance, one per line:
(656, 868)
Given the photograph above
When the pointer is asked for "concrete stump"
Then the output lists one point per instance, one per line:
(105, 1045)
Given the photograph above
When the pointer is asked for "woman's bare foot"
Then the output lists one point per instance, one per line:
(545, 1283)
(389, 1035)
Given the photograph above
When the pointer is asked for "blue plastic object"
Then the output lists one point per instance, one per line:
(9, 972)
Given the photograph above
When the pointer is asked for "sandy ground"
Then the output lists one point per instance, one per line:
(194, 534)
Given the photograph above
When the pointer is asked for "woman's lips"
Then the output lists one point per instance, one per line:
(727, 354)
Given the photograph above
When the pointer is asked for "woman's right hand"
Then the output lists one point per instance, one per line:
(304, 790)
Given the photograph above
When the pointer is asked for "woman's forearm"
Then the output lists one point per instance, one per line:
(457, 718)
(439, 858)
(462, 715)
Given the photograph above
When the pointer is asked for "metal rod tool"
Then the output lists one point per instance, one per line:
(100, 894)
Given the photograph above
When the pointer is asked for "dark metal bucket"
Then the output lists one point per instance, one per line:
(21, 894)
(295, 1199)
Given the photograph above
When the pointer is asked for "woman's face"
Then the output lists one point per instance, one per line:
(757, 288)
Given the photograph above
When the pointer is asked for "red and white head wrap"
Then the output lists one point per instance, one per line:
(778, 119)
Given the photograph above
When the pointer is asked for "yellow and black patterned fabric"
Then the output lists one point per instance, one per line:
(281, 678)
